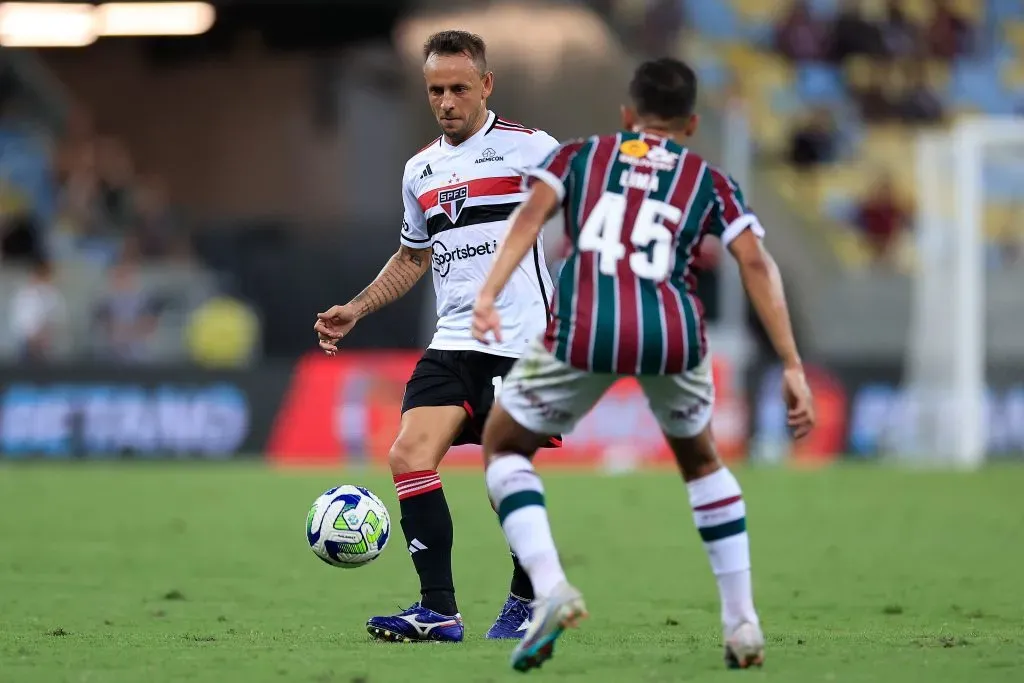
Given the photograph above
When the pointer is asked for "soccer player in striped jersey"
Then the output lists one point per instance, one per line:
(637, 205)
(459, 192)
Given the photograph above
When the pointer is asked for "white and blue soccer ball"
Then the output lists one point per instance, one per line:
(348, 526)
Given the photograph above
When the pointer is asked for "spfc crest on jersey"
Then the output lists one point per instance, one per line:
(452, 199)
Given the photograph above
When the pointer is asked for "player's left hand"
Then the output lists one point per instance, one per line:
(486, 319)
(797, 395)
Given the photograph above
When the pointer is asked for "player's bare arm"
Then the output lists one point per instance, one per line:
(399, 275)
(528, 220)
(763, 283)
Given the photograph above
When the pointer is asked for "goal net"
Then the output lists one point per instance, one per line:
(969, 221)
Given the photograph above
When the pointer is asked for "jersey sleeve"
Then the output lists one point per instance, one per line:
(414, 222)
(554, 170)
(730, 215)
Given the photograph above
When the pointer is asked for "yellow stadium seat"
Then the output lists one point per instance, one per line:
(849, 246)
(918, 11)
(1013, 31)
(845, 180)
(759, 11)
(890, 146)
(938, 74)
(771, 133)
(740, 56)
(873, 10)
(1012, 75)
(1002, 222)
(859, 71)
(970, 9)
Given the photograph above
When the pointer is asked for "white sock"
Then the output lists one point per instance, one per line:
(518, 496)
(721, 518)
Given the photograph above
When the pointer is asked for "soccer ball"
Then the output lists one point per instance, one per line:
(348, 526)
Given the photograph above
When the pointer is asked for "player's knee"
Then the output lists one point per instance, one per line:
(503, 436)
(696, 455)
(409, 454)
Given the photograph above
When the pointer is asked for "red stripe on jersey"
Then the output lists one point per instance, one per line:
(562, 159)
(731, 209)
(687, 186)
(502, 121)
(675, 330)
(586, 293)
(628, 348)
(429, 145)
(513, 129)
(551, 331)
(478, 187)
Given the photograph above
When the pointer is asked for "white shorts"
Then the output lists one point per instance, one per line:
(548, 396)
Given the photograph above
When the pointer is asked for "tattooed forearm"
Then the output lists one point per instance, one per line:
(400, 273)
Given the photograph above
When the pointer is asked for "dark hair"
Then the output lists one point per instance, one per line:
(664, 88)
(458, 43)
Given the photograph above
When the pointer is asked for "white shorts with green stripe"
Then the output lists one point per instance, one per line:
(548, 396)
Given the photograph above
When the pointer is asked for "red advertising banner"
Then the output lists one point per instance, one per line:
(349, 408)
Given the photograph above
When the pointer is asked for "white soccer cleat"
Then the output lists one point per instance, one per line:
(744, 647)
(563, 609)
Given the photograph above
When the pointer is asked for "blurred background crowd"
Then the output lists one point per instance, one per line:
(170, 199)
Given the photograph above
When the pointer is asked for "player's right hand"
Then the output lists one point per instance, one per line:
(797, 395)
(332, 325)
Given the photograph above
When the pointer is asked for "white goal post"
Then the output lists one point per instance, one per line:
(945, 366)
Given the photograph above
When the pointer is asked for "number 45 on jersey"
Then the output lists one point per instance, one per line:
(602, 233)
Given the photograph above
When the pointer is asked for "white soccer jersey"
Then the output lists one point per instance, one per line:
(458, 201)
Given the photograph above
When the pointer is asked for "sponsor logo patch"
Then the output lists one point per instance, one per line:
(443, 257)
(489, 155)
(634, 148)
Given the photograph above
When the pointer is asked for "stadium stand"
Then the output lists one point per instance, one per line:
(882, 70)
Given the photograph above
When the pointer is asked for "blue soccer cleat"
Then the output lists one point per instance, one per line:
(513, 620)
(417, 624)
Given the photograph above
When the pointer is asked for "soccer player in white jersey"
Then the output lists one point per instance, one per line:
(459, 192)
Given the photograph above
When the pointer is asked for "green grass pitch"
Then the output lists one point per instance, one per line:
(151, 573)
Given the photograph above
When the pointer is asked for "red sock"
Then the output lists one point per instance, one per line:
(416, 483)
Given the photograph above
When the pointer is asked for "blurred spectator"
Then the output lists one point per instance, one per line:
(852, 34)
(949, 34)
(882, 217)
(874, 100)
(156, 228)
(800, 36)
(900, 36)
(38, 314)
(127, 315)
(19, 232)
(103, 201)
(115, 174)
(919, 103)
(815, 141)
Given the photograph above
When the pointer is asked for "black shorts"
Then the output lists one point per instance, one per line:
(460, 378)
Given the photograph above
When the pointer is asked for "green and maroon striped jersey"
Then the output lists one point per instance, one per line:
(636, 209)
